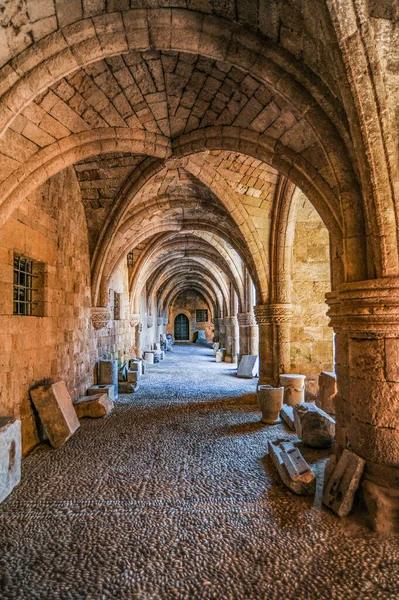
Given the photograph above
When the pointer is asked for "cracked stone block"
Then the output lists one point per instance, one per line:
(342, 483)
(249, 366)
(108, 373)
(55, 408)
(293, 469)
(93, 406)
(294, 388)
(287, 414)
(220, 355)
(327, 392)
(10, 455)
(102, 388)
(314, 426)
(270, 400)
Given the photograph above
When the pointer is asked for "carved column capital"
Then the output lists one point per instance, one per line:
(370, 307)
(100, 317)
(246, 319)
(273, 313)
(134, 319)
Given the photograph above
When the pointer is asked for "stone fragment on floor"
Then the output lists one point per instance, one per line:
(125, 387)
(293, 469)
(314, 426)
(102, 388)
(270, 400)
(133, 376)
(149, 357)
(136, 364)
(108, 373)
(327, 392)
(93, 406)
(10, 455)
(341, 482)
(294, 388)
(55, 408)
(220, 355)
(287, 414)
(249, 366)
(201, 337)
(216, 347)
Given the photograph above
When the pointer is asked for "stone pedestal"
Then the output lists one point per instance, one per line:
(108, 373)
(270, 401)
(294, 388)
(10, 455)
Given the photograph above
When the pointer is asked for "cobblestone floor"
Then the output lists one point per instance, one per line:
(172, 497)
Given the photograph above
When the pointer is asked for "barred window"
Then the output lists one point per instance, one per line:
(28, 287)
(201, 315)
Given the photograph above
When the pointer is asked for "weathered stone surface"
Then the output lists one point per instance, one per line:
(55, 408)
(294, 388)
(287, 414)
(314, 426)
(102, 388)
(249, 366)
(270, 401)
(108, 373)
(340, 485)
(93, 406)
(327, 392)
(10, 455)
(292, 467)
(127, 388)
(382, 506)
(220, 355)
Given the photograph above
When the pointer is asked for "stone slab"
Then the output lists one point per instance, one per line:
(55, 408)
(287, 414)
(108, 373)
(10, 455)
(220, 355)
(216, 347)
(201, 337)
(314, 426)
(102, 388)
(342, 483)
(127, 388)
(93, 406)
(249, 366)
(327, 392)
(293, 469)
(122, 373)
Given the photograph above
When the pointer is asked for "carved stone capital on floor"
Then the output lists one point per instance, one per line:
(246, 319)
(134, 319)
(273, 313)
(370, 307)
(150, 321)
(100, 317)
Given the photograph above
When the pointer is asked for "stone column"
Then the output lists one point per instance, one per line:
(159, 329)
(231, 339)
(365, 318)
(134, 320)
(249, 337)
(222, 333)
(274, 340)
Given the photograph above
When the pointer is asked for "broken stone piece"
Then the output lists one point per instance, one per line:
(127, 388)
(93, 406)
(10, 455)
(216, 347)
(108, 373)
(55, 408)
(314, 426)
(249, 366)
(287, 414)
(270, 401)
(102, 388)
(122, 373)
(339, 490)
(292, 467)
(220, 355)
(327, 392)
(294, 388)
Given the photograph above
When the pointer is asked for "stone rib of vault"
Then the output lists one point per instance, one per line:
(293, 469)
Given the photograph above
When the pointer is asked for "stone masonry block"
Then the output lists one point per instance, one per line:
(56, 411)
(342, 483)
(94, 406)
(10, 455)
(102, 388)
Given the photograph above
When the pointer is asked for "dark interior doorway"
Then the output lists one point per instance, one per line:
(181, 327)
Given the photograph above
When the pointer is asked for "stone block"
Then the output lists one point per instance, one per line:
(125, 387)
(136, 365)
(108, 373)
(292, 467)
(314, 426)
(133, 376)
(249, 366)
(287, 414)
(220, 355)
(102, 388)
(270, 401)
(94, 406)
(216, 347)
(327, 392)
(201, 337)
(340, 485)
(294, 388)
(55, 408)
(10, 455)
(149, 358)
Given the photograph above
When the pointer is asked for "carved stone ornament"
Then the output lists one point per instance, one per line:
(246, 319)
(150, 321)
(134, 319)
(273, 313)
(100, 317)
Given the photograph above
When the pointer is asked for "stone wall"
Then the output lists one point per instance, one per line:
(50, 227)
(311, 338)
(187, 302)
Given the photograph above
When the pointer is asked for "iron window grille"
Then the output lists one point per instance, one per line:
(28, 284)
(201, 315)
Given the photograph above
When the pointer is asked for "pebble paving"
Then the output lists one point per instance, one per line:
(172, 496)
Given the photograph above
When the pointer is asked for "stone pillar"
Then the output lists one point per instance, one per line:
(249, 336)
(159, 330)
(231, 339)
(274, 340)
(365, 318)
(134, 320)
(222, 333)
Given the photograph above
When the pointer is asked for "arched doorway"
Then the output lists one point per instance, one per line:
(181, 327)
